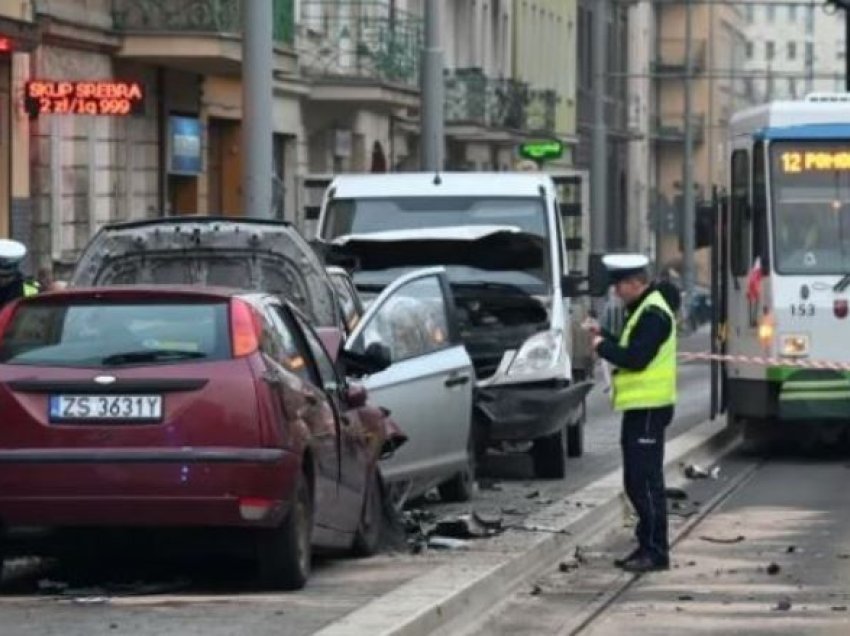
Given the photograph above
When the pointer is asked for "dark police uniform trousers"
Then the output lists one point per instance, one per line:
(642, 440)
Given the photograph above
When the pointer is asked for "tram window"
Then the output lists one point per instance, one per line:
(760, 249)
(741, 218)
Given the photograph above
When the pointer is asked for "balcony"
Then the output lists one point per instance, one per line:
(670, 128)
(473, 99)
(361, 44)
(671, 56)
(541, 112)
(197, 35)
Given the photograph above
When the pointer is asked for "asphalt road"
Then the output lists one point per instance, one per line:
(214, 597)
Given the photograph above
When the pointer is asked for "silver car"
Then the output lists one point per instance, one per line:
(428, 387)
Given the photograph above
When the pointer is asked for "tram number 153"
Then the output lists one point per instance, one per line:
(803, 310)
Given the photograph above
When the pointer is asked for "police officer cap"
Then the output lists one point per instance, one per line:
(11, 255)
(623, 266)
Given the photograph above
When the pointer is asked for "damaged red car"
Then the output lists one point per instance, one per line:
(195, 408)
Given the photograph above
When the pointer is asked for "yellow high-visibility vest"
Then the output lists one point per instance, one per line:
(31, 289)
(655, 386)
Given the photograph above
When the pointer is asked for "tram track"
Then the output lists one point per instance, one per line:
(609, 598)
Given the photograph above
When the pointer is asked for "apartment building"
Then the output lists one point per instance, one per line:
(711, 67)
(346, 99)
(792, 50)
(616, 108)
(545, 41)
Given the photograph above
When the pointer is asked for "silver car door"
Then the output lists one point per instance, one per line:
(428, 388)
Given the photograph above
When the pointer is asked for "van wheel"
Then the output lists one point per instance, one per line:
(575, 433)
(367, 539)
(461, 487)
(549, 455)
(284, 553)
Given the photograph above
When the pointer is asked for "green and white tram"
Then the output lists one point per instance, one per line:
(785, 286)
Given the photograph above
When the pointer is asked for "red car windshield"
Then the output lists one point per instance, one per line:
(111, 334)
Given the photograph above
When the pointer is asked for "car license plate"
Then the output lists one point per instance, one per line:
(106, 407)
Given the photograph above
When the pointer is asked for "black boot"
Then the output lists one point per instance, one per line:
(644, 563)
(631, 556)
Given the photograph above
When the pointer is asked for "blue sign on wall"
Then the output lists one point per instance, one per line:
(184, 134)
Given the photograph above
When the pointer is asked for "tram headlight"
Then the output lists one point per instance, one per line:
(794, 345)
(766, 331)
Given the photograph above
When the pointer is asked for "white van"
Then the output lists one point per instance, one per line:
(500, 238)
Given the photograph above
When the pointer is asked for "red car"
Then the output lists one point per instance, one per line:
(187, 407)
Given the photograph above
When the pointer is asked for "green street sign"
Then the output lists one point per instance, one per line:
(542, 150)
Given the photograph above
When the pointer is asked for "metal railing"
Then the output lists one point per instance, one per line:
(196, 16)
(368, 39)
(473, 98)
(671, 55)
(670, 127)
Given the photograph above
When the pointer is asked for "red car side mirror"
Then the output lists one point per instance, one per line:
(356, 396)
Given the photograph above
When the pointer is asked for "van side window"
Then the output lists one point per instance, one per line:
(741, 218)
(760, 244)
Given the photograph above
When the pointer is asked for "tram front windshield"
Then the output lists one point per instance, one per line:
(811, 206)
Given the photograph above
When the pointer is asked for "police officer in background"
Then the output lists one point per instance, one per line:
(13, 285)
(644, 389)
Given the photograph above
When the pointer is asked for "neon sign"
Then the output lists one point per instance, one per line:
(48, 97)
(797, 162)
(542, 150)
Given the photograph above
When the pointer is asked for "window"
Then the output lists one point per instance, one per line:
(769, 50)
(810, 54)
(771, 13)
(750, 13)
(792, 87)
(792, 12)
(811, 208)
(760, 246)
(280, 345)
(412, 322)
(741, 223)
(810, 19)
(347, 300)
(327, 371)
(792, 50)
(108, 333)
(750, 50)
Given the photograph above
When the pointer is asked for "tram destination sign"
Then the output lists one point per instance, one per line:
(821, 160)
(98, 97)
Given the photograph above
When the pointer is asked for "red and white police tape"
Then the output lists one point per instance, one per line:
(705, 356)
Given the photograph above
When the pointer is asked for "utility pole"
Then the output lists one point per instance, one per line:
(257, 103)
(688, 212)
(599, 172)
(433, 115)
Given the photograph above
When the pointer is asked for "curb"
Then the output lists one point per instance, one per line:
(450, 596)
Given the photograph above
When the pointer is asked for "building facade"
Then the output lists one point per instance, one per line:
(711, 69)
(616, 109)
(793, 50)
(545, 42)
(164, 80)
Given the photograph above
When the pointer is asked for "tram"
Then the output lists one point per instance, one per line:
(783, 281)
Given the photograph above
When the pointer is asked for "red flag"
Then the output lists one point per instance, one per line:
(754, 281)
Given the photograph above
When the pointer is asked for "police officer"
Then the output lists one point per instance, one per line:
(644, 389)
(12, 282)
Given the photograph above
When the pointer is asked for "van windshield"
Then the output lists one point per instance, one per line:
(508, 238)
